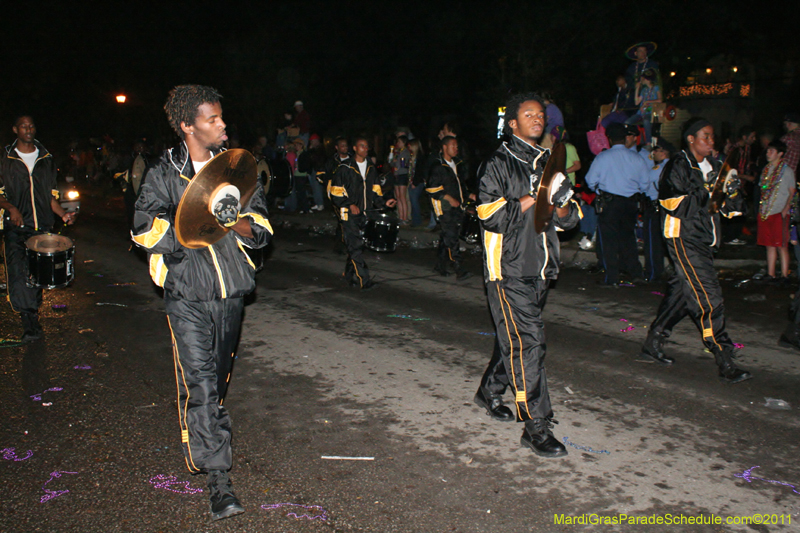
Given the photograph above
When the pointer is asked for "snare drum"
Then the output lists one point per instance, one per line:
(51, 262)
(381, 232)
(282, 180)
(264, 174)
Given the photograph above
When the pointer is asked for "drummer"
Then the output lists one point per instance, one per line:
(355, 189)
(28, 201)
(447, 188)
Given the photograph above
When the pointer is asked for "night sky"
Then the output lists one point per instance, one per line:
(364, 67)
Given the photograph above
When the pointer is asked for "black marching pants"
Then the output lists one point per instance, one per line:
(618, 238)
(518, 359)
(653, 242)
(694, 291)
(204, 337)
(449, 249)
(23, 299)
(356, 271)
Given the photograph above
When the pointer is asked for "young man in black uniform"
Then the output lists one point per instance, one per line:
(692, 232)
(518, 266)
(331, 165)
(355, 188)
(447, 188)
(29, 198)
(203, 287)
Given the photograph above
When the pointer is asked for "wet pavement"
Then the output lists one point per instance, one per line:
(389, 375)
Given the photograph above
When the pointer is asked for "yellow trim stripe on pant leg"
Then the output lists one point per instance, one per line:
(710, 328)
(182, 414)
(360, 280)
(521, 362)
(510, 348)
(705, 332)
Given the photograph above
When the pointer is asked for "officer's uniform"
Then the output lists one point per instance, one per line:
(203, 296)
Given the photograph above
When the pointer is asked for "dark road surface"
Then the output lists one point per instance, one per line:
(323, 370)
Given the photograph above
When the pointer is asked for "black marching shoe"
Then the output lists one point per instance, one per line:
(224, 503)
(652, 349)
(462, 273)
(442, 270)
(728, 371)
(538, 436)
(494, 406)
(31, 329)
(789, 342)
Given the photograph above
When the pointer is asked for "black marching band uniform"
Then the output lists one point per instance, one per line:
(518, 267)
(31, 193)
(326, 178)
(351, 188)
(443, 181)
(131, 181)
(203, 296)
(691, 233)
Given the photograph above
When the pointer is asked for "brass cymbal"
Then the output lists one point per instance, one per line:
(195, 224)
(718, 191)
(543, 209)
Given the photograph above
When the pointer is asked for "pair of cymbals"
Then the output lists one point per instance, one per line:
(195, 223)
(543, 209)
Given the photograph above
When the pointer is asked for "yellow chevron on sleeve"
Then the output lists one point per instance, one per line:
(672, 227)
(732, 214)
(56, 194)
(434, 189)
(258, 219)
(671, 204)
(158, 270)
(487, 210)
(338, 191)
(152, 237)
(437, 207)
(377, 190)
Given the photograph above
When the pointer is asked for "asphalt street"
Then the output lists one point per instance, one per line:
(90, 434)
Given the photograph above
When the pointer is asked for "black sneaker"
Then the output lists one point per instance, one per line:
(538, 436)
(224, 503)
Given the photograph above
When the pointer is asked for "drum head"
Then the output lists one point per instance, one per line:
(49, 243)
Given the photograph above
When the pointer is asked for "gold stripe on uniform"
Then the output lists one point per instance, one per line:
(487, 210)
(672, 227)
(377, 189)
(258, 219)
(493, 244)
(152, 237)
(158, 270)
(672, 204)
(219, 271)
(433, 190)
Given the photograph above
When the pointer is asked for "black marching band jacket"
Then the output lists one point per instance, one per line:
(221, 270)
(442, 180)
(512, 248)
(30, 192)
(684, 193)
(351, 188)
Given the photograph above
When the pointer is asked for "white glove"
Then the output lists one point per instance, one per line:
(560, 190)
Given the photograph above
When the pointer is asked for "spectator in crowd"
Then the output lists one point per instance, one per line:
(554, 116)
(777, 191)
(640, 54)
(792, 140)
(573, 161)
(647, 94)
(314, 164)
(741, 153)
(286, 131)
(303, 121)
(297, 200)
(651, 218)
(624, 104)
(416, 179)
(400, 163)
(618, 176)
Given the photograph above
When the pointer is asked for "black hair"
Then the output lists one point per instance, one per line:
(447, 138)
(184, 101)
(23, 115)
(512, 108)
(744, 131)
(359, 138)
(403, 138)
(778, 144)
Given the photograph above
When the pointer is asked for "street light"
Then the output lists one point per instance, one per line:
(121, 98)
